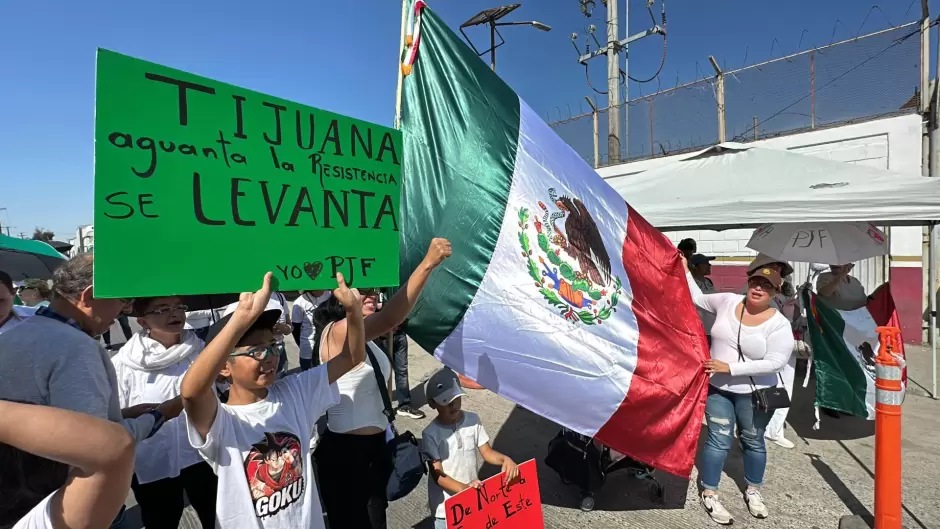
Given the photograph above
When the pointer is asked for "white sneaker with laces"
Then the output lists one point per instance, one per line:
(780, 441)
(716, 510)
(755, 504)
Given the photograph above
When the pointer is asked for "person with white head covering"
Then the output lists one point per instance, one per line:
(150, 368)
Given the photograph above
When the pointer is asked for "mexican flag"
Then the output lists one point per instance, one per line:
(844, 347)
(559, 296)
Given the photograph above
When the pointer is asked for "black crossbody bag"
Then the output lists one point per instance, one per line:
(408, 465)
(766, 399)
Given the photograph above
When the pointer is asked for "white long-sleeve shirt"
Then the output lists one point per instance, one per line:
(767, 347)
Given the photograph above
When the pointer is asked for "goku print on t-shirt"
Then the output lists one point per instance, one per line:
(274, 468)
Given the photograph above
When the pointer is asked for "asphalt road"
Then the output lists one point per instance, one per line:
(829, 474)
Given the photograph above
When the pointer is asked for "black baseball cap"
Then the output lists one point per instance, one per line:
(267, 320)
(698, 259)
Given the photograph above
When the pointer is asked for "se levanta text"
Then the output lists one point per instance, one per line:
(284, 204)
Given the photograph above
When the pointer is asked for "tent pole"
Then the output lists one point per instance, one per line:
(932, 304)
(401, 48)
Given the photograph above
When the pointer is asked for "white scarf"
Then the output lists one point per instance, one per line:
(146, 354)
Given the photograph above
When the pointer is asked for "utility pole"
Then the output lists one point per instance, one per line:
(612, 52)
(613, 82)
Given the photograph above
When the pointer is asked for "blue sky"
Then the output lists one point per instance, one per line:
(339, 56)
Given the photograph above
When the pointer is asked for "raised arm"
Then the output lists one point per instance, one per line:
(827, 283)
(197, 393)
(399, 306)
(98, 485)
(353, 351)
(710, 302)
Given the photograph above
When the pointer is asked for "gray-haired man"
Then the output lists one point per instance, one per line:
(53, 359)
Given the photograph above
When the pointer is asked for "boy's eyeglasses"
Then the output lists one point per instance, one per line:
(159, 311)
(259, 352)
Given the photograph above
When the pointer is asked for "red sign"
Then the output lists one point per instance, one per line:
(497, 505)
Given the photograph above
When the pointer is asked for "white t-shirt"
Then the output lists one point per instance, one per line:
(261, 454)
(302, 313)
(39, 517)
(766, 347)
(199, 319)
(457, 447)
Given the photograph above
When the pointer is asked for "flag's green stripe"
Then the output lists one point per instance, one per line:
(840, 382)
(461, 126)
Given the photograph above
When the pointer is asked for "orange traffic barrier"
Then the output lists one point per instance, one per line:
(467, 383)
(889, 397)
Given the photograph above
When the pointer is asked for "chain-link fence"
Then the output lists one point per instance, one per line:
(863, 78)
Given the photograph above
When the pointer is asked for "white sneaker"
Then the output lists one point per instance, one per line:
(716, 510)
(780, 441)
(755, 504)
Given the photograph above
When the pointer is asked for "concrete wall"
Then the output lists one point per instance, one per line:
(892, 143)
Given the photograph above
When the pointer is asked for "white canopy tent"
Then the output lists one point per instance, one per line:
(733, 185)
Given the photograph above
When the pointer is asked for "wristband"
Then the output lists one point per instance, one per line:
(158, 420)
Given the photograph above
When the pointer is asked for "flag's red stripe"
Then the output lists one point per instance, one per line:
(882, 309)
(660, 419)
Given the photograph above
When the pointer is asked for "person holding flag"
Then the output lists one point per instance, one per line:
(751, 344)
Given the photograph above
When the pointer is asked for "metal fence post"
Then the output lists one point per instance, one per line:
(597, 152)
(721, 98)
(812, 89)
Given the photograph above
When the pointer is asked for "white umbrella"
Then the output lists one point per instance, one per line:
(820, 242)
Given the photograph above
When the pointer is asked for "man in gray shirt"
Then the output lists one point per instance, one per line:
(53, 359)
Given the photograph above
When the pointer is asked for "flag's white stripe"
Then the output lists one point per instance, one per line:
(511, 340)
(860, 328)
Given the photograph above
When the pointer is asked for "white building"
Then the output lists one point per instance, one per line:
(891, 144)
(84, 240)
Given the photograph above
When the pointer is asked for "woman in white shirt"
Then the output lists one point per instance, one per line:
(150, 368)
(786, 303)
(352, 459)
(766, 342)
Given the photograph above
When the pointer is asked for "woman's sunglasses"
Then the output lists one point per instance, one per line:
(763, 285)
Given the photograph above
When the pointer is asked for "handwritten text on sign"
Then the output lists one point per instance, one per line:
(201, 187)
(496, 504)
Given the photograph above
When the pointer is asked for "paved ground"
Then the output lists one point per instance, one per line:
(829, 474)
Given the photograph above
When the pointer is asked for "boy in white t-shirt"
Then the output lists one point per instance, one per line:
(453, 442)
(258, 442)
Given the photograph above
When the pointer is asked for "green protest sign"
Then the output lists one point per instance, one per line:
(201, 187)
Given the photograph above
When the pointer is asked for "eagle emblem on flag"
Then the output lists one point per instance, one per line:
(570, 266)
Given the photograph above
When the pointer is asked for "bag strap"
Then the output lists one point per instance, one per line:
(741, 353)
(383, 388)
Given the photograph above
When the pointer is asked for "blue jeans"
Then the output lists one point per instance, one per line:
(400, 356)
(723, 411)
(440, 523)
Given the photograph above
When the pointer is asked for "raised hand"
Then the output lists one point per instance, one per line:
(349, 297)
(511, 470)
(251, 305)
(437, 251)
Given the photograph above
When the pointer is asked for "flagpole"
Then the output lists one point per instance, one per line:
(401, 46)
